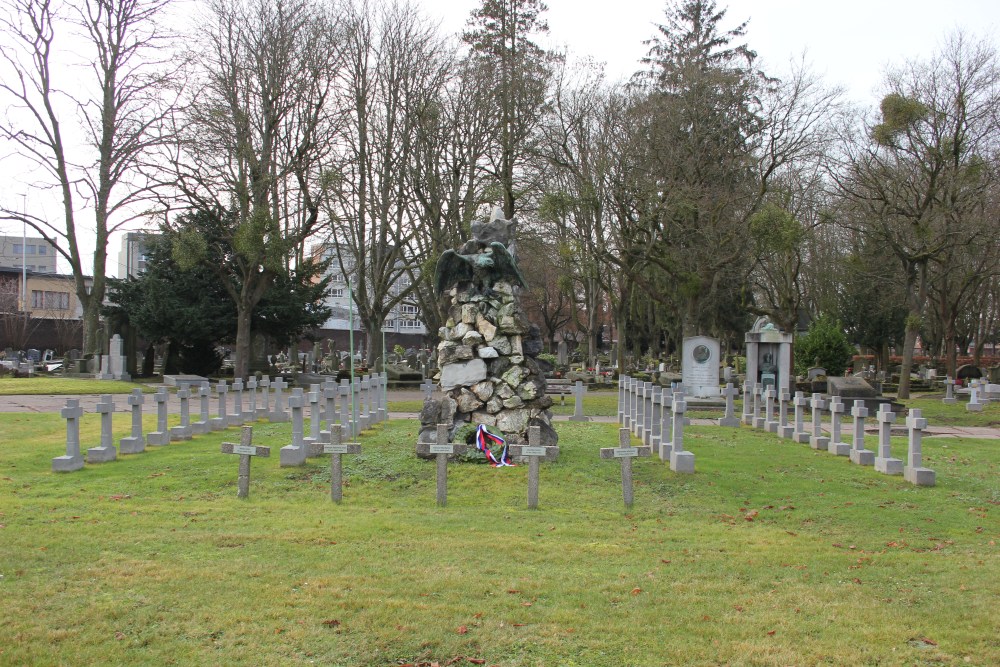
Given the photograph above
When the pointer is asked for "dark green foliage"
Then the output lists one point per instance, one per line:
(826, 344)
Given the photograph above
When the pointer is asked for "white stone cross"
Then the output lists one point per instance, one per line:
(884, 462)
(640, 409)
(758, 394)
(251, 413)
(313, 443)
(428, 389)
(183, 431)
(264, 412)
(656, 430)
(202, 425)
(221, 422)
(106, 451)
(245, 449)
(800, 435)
(624, 452)
(860, 455)
(295, 453)
(747, 403)
(914, 472)
(72, 460)
(770, 423)
(278, 414)
(666, 424)
(622, 381)
(974, 405)
(236, 418)
(345, 407)
(680, 460)
(161, 436)
(837, 446)
(817, 440)
(578, 390)
(729, 418)
(330, 413)
(949, 387)
(134, 443)
(784, 429)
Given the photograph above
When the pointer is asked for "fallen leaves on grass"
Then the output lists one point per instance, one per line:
(461, 629)
(636, 591)
(331, 623)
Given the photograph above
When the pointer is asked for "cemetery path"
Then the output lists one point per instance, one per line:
(54, 403)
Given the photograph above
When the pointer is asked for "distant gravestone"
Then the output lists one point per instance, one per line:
(106, 450)
(344, 391)
(313, 442)
(817, 440)
(236, 417)
(221, 422)
(251, 412)
(117, 359)
(949, 386)
(770, 421)
(622, 380)
(700, 366)
(666, 424)
(264, 411)
(836, 445)
(974, 404)
(330, 410)
(758, 407)
(428, 388)
(72, 460)
(245, 449)
(134, 443)
(183, 431)
(859, 455)
(579, 389)
(785, 430)
(202, 426)
(800, 435)
(624, 453)
(680, 460)
(747, 414)
(295, 453)
(278, 414)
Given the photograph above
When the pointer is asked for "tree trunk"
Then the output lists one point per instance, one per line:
(91, 321)
(950, 346)
(909, 342)
(241, 355)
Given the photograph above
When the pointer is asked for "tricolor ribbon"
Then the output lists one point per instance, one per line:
(485, 440)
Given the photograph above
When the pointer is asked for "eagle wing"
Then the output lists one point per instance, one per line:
(504, 266)
(452, 268)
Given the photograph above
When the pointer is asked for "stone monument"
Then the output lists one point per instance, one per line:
(488, 349)
(700, 366)
(769, 356)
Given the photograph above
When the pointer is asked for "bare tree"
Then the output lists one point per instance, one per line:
(118, 105)
(259, 129)
(396, 65)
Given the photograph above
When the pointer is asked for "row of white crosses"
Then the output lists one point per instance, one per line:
(913, 471)
(655, 415)
(362, 404)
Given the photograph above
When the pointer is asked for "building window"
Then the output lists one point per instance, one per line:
(41, 250)
(410, 324)
(337, 292)
(408, 309)
(389, 324)
(49, 300)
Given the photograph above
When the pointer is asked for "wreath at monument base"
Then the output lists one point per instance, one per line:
(487, 442)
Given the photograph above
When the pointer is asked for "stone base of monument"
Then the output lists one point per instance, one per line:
(291, 455)
(759, 422)
(801, 437)
(888, 466)
(666, 449)
(819, 442)
(839, 448)
(101, 454)
(277, 417)
(949, 401)
(180, 433)
(974, 407)
(862, 457)
(200, 428)
(919, 476)
(132, 445)
(786, 431)
(67, 463)
(682, 461)
(218, 423)
(158, 438)
(771, 427)
(732, 422)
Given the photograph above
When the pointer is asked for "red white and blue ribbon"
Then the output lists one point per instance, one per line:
(484, 443)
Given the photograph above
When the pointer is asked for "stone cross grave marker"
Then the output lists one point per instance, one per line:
(640, 409)
(534, 452)
(914, 472)
(837, 446)
(624, 452)
(729, 418)
(428, 388)
(161, 436)
(251, 413)
(748, 403)
(134, 443)
(442, 449)
(949, 387)
(183, 432)
(264, 411)
(295, 453)
(221, 422)
(313, 442)
(202, 426)
(330, 412)
(278, 414)
(356, 426)
(336, 448)
(631, 403)
(622, 381)
(859, 455)
(801, 435)
(373, 400)
(680, 460)
(785, 430)
(72, 460)
(245, 449)
(759, 420)
(974, 405)
(817, 440)
(656, 430)
(884, 463)
(236, 418)
(345, 408)
(579, 389)
(770, 422)
(666, 424)
(106, 451)
(646, 432)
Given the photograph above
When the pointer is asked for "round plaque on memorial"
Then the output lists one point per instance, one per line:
(701, 354)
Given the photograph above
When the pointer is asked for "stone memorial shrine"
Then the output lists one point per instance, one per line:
(769, 357)
(700, 366)
(487, 355)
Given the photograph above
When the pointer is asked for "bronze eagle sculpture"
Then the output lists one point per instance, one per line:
(483, 269)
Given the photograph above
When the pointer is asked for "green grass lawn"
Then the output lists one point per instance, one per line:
(44, 385)
(770, 554)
